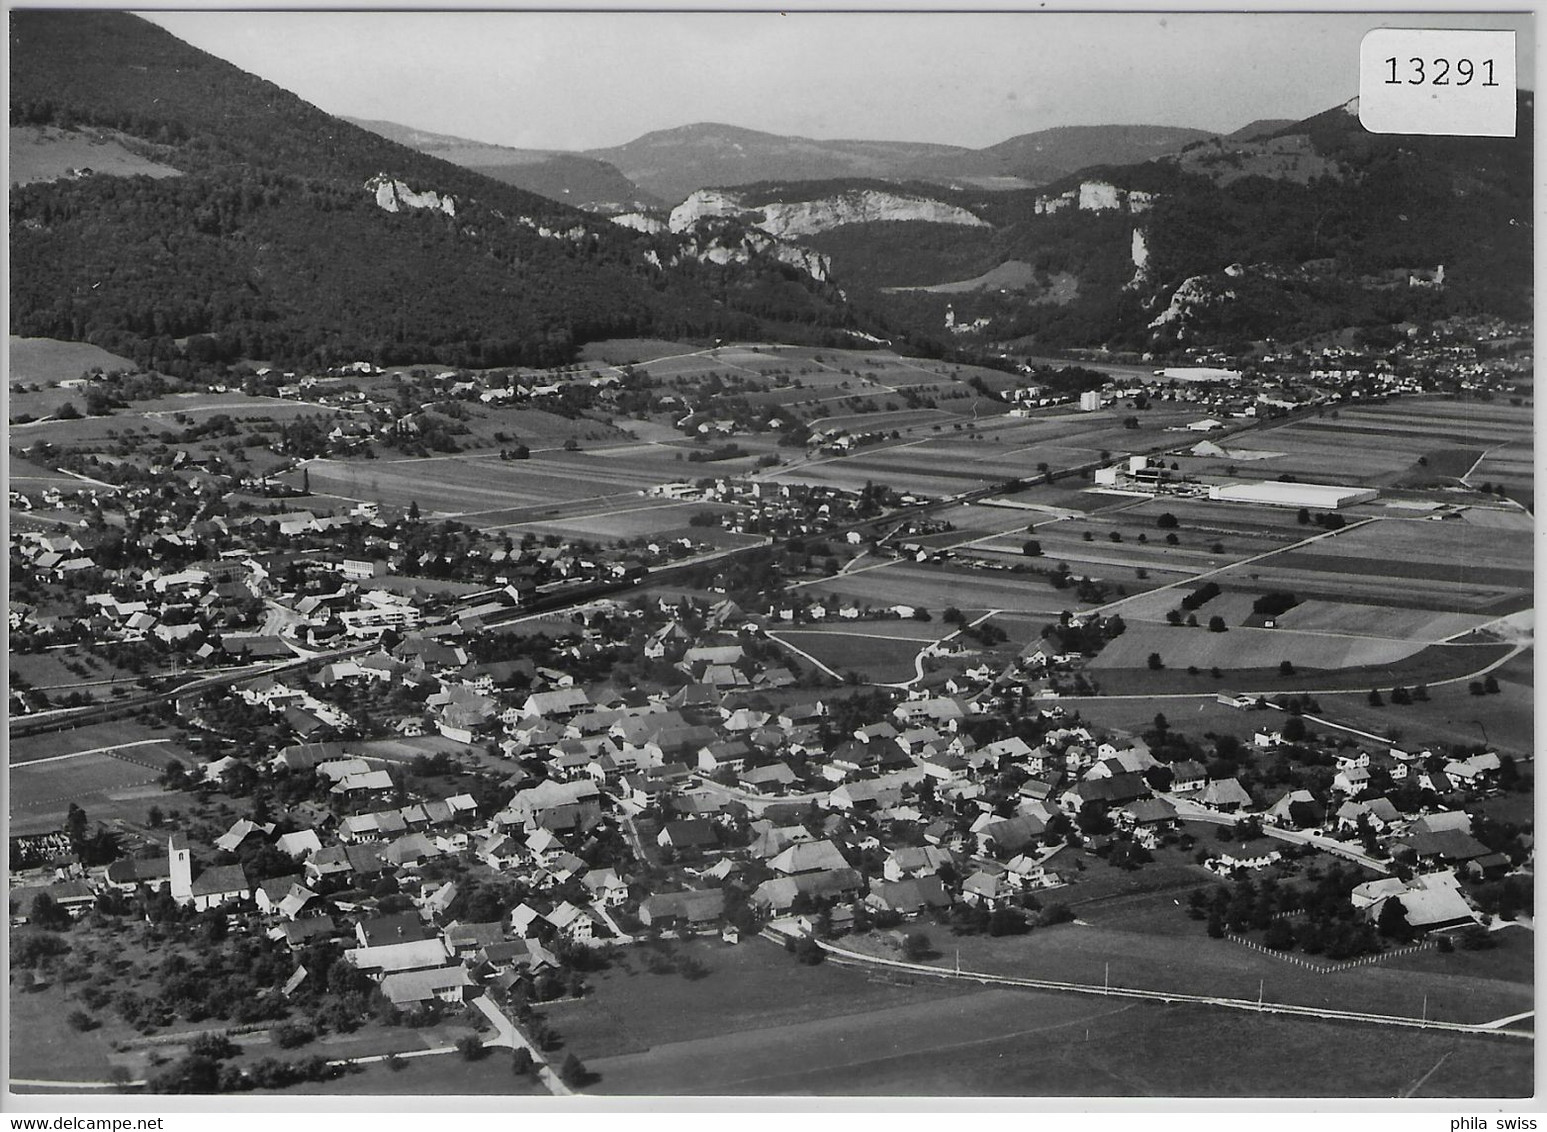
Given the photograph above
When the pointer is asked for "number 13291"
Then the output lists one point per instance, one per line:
(1418, 71)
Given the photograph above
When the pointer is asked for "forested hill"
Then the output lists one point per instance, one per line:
(280, 241)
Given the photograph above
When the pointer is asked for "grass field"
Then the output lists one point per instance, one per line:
(1146, 1050)
(107, 785)
(51, 359)
(1144, 959)
(52, 1050)
(750, 986)
(444, 1075)
(873, 1038)
(876, 658)
(1246, 648)
(935, 588)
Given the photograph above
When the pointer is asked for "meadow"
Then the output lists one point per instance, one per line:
(834, 1030)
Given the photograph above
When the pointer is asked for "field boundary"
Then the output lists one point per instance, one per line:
(1329, 968)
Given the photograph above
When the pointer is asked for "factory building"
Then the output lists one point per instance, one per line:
(1313, 496)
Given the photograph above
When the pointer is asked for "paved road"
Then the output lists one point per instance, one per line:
(510, 1036)
(1193, 811)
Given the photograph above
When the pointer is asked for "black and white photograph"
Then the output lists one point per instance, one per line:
(565, 557)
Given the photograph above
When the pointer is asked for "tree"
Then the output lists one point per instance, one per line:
(1217, 624)
(193, 1074)
(1303, 517)
(521, 1062)
(1279, 936)
(471, 1047)
(1392, 922)
(1031, 548)
(1294, 729)
(67, 412)
(48, 913)
(1285, 668)
(1166, 521)
(413, 510)
(915, 947)
(75, 824)
(573, 1071)
(1375, 698)
(1155, 662)
(1491, 685)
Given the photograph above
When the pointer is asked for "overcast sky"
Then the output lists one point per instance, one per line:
(580, 80)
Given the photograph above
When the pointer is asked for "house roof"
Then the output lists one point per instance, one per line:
(911, 895)
(399, 956)
(221, 880)
(421, 986)
(808, 857)
(695, 904)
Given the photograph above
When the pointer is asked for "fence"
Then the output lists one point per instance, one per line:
(1329, 968)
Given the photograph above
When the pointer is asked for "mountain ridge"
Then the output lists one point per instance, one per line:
(291, 234)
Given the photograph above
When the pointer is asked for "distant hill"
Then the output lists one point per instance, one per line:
(673, 163)
(1046, 155)
(1261, 128)
(572, 178)
(1293, 231)
(295, 236)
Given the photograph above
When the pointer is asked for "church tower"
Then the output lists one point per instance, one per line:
(180, 863)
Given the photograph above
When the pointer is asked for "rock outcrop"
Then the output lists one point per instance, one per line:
(395, 196)
(1096, 196)
(809, 217)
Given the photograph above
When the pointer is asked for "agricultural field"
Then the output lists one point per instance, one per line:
(1408, 443)
(1145, 1049)
(1248, 648)
(877, 658)
(109, 770)
(33, 479)
(46, 360)
(747, 987)
(1452, 714)
(946, 457)
(934, 588)
(841, 1031)
(474, 487)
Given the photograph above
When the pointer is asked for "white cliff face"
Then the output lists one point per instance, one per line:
(704, 204)
(755, 243)
(395, 196)
(1096, 196)
(639, 222)
(809, 217)
(1141, 261)
(1193, 294)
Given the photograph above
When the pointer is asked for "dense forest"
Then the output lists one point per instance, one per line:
(271, 242)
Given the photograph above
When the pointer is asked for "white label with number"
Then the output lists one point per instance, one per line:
(1438, 81)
